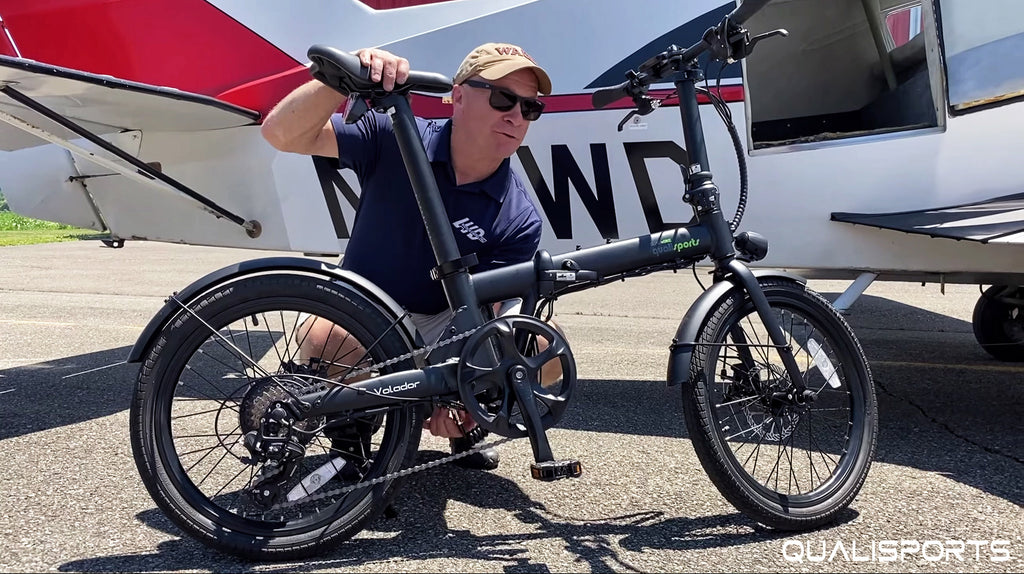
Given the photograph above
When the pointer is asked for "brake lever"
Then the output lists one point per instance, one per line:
(626, 119)
(744, 47)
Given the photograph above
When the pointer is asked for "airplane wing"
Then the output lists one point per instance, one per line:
(104, 104)
(99, 121)
(996, 220)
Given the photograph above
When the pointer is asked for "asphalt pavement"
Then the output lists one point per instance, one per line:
(945, 492)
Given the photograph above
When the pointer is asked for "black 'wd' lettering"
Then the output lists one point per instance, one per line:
(331, 183)
(636, 154)
(600, 205)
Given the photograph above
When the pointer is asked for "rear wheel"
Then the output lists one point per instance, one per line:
(207, 382)
(788, 461)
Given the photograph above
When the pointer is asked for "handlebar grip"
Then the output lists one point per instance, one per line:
(744, 11)
(604, 96)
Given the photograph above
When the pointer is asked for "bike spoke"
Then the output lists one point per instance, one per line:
(792, 470)
(747, 368)
(746, 399)
(273, 339)
(222, 402)
(228, 483)
(179, 417)
(248, 342)
(231, 369)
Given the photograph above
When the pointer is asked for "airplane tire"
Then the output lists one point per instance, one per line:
(999, 322)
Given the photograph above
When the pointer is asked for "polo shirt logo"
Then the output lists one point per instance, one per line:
(471, 229)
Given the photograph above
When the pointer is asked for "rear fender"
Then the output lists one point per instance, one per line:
(274, 265)
(689, 328)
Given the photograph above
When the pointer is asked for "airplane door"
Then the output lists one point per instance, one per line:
(981, 42)
(849, 69)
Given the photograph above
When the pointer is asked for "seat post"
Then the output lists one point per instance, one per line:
(457, 286)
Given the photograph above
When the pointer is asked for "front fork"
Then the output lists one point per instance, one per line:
(782, 345)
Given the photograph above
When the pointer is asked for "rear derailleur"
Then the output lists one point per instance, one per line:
(275, 446)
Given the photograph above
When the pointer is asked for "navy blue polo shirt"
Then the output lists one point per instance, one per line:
(494, 218)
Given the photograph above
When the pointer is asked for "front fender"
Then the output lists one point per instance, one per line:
(689, 328)
(281, 265)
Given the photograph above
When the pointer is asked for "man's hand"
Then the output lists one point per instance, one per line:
(385, 66)
(444, 422)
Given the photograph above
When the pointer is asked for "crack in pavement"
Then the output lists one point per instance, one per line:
(947, 428)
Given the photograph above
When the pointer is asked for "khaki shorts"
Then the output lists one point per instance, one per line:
(431, 327)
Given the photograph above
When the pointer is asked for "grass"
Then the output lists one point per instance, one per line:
(20, 230)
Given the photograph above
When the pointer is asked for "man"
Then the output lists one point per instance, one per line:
(494, 100)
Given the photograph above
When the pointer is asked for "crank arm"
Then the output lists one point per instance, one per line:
(545, 467)
(521, 386)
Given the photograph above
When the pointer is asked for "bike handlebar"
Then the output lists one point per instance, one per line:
(655, 68)
(604, 96)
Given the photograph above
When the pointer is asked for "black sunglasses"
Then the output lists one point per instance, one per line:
(503, 100)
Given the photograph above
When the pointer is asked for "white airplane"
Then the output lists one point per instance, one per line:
(882, 137)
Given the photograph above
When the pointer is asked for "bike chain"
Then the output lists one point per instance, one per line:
(390, 476)
(410, 354)
(404, 472)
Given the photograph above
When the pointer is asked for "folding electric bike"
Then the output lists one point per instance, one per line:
(261, 449)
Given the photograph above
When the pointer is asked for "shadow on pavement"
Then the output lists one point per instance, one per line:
(420, 532)
(40, 399)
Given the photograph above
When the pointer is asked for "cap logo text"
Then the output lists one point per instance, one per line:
(513, 51)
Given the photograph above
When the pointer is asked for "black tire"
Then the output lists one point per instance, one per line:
(188, 404)
(998, 322)
(731, 418)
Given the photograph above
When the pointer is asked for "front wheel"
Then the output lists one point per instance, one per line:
(212, 381)
(788, 460)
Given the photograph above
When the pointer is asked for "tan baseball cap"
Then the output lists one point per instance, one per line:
(496, 60)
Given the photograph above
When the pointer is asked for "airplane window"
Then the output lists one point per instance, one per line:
(903, 23)
(846, 71)
(981, 40)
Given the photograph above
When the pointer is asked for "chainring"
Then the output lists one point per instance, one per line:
(487, 359)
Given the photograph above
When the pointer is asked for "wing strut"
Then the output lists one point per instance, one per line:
(145, 174)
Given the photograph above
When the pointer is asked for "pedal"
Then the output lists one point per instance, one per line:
(556, 469)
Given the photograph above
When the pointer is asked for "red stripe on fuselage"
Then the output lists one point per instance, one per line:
(193, 46)
(185, 44)
(390, 4)
(433, 107)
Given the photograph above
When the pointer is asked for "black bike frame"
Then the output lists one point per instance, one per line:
(710, 237)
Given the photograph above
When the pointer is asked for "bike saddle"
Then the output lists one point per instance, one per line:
(343, 72)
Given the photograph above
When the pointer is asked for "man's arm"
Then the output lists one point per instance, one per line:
(300, 123)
